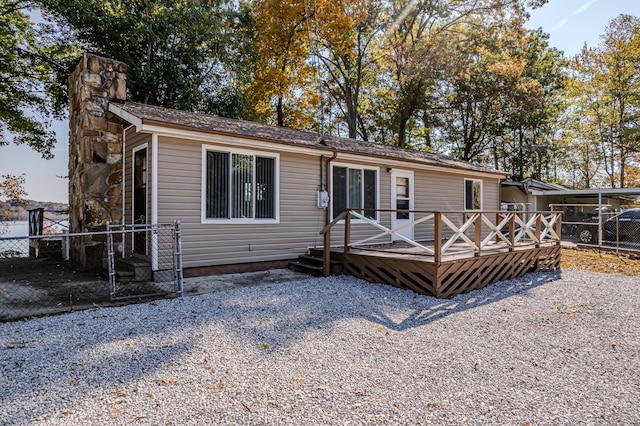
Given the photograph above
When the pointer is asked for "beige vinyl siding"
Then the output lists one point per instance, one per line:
(206, 244)
(443, 191)
(179, 197)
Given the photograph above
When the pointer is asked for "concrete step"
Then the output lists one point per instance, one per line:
(134, 268)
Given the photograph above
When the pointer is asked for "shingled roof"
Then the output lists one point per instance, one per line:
(159, 116)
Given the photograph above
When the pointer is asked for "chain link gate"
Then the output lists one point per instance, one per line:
(144, 260)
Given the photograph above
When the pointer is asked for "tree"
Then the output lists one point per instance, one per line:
(282, 74)
(28, 63)
(11, 189)
(178, 52)
(347, 36)
(420, 41)
(609, 98)
(533, 107)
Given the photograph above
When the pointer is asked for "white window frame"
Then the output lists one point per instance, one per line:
(360, 167)
(203, 186)
(480, 181)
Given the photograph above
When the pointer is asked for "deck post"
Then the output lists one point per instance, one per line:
(478, 237)
(559, 228)
(538, 223)
(347, 231)
(437, 237)
(512, 231)
(326, 254)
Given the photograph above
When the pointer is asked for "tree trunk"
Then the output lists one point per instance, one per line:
(280, 112)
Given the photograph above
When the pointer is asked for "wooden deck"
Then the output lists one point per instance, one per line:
(458, 263)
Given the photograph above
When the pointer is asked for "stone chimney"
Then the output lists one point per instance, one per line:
(95, 155)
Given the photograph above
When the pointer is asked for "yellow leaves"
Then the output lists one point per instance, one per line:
(599, 262)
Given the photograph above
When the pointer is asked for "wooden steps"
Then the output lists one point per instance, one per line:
(312, 264)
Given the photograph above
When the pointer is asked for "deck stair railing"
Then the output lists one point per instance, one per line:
(454, 232)
(56, 223)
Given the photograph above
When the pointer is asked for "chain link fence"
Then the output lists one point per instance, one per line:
(598, 225)
(36, 277)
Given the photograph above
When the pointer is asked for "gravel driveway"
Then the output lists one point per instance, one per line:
(545, 349)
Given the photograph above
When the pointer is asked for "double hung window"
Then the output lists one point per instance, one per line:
(355, 187)
(240, 185)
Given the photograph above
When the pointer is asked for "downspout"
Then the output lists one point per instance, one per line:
(326, 252)
(327, 164)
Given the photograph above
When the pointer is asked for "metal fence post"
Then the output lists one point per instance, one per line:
(111, 262)
(177, 257)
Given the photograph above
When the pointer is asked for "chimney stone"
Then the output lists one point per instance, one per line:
(95, 155)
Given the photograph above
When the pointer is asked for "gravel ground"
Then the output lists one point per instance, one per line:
(545, 349)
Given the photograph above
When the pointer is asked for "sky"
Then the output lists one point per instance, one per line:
(569, 23)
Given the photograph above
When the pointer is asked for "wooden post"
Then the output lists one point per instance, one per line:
(478, 237)
(36, 221)
(538, 222)
(347, 231)
(326, 254)
(512, 231)
(437, 237)
(559, 229)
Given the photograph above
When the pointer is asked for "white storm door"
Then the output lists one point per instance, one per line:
(402, 199)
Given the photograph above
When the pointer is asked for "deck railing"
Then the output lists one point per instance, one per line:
(451, 232)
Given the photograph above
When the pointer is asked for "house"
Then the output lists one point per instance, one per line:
(245, 193)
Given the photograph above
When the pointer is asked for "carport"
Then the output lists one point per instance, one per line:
(584, 210)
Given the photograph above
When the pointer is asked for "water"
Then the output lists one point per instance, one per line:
(18, 247)
(18, 228)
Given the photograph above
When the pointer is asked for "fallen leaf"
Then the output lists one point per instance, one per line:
(433, 405)
(246, 407)
(205, 360)
(74, 382)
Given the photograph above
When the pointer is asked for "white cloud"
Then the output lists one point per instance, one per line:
(579, 10)
(584, 7)
(560, 24)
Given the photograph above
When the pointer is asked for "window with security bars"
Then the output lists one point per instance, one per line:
(354, 188)
(240, 186)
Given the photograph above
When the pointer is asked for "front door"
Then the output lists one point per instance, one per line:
(140, 199)
(402, 199)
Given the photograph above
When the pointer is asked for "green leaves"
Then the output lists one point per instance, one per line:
(27, 67)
